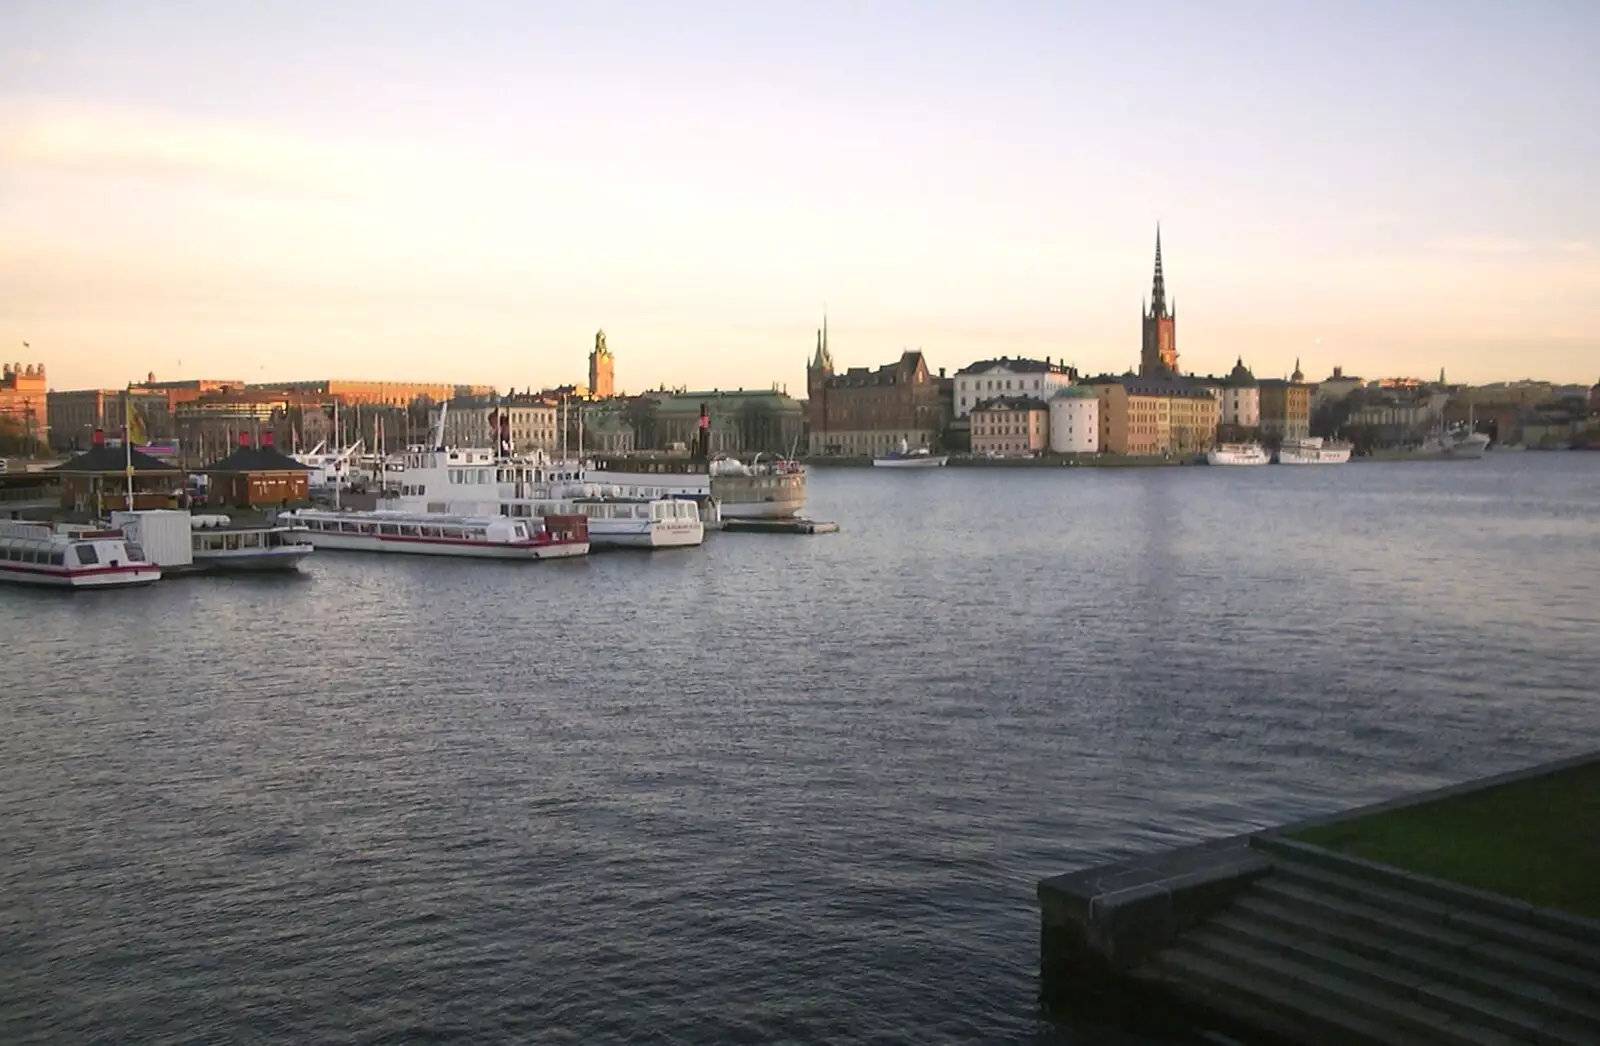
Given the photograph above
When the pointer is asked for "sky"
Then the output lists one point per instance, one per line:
(467, 191)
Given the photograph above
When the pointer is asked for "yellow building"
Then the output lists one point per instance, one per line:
(1010, 426)
(384, 393)
(1151, 415)
(1285, 409)
(602, 369)
(24, 402)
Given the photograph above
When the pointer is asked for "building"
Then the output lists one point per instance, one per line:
(1158, 352)
(25, 403)
(254, 477)
(1336, 388)
(1285, 408)
(607, 427)
(1594, 399)
(740, 421)
(865, 411)
(991, 379)
(1146, 415)
(1238, 402)
(1010, 426)
(532, 422)
(602, 369)
(77, 414)
(209, 426)
(186, 389)
(97, 479)
(376, 393)
(1075, 421)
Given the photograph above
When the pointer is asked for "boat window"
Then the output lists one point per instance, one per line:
(58, 558)
(86, 554)
(520, 531)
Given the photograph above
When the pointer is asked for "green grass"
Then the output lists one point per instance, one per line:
(1537, 840)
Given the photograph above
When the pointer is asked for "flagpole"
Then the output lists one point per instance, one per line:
(127, 439)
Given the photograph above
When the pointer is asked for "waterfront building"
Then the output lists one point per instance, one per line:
(532, 422)
(76, 414)
(97, 480)
(1594, 399)
(25, 402)
(375, 393)
(1239, 401)
(990, 379)
(257, 476)
(1010, 426)
(602, 369)
(739, 421)
(1285, 407)
(1158, 353)
(1146, 415)
(871, 411)
(1397, 416)
(1075, 421)
(607, 428)
(1336, 388)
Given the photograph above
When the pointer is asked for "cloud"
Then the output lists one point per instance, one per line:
(122, 142)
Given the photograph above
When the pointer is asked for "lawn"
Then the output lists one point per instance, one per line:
(1537, 840)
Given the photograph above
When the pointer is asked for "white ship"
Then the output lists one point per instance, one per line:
(1454, 443)
(906, 458)
(1238, 454)
(217, 543)
(436, 534)
(1313, 451)
(68, 556)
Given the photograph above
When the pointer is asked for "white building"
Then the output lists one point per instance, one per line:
(1075, 421)
(993, 379)
(533, 423)
(1239, 398)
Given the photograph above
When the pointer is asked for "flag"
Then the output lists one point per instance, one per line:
(135, 435)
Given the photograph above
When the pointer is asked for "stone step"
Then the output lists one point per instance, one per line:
(1455, 895)
(1470, 922)
(1468, 994)
(1452, 957)
(1316, 1015)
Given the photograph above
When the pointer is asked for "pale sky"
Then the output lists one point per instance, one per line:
(466, 191)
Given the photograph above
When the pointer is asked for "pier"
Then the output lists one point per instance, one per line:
(779, 526)
(1479, 925)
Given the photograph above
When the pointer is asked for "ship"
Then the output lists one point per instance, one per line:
(1313, 450)
(907, 458)
(1238, 454)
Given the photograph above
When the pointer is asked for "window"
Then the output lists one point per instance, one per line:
(86, 554)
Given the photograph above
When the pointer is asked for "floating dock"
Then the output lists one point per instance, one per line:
(779, 526)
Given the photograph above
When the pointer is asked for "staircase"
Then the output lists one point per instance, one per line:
(1327, 949)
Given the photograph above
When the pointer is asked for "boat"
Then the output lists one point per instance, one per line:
(1238, 454)
(437, 534)
(71, 556)
(1459, 443)
(217, 543)
(907, 458)
(1312, 450)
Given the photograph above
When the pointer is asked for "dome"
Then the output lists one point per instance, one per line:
(1240, 375)
(1075, 392)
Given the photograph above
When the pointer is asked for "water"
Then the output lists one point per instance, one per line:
(789, 790)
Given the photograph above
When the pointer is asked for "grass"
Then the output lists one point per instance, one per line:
(1536, 840)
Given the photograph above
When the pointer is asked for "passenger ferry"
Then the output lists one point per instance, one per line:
(67, 556)
(908, 457)
(1238, 454)
(217, 544)
(431, 534)
(1313, 451)
(482, 483)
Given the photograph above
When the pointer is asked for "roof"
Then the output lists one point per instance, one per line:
(1018, 366)
(723, 399)
(1074, 392)
(114, 459)
(1240, 377)
(1012, 403)
(257, 459)
(1153, 385)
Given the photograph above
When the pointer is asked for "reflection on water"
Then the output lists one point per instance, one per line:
(771, 790)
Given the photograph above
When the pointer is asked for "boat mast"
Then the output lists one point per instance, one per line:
(338, 441)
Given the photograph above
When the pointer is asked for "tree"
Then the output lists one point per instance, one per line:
(13, 437)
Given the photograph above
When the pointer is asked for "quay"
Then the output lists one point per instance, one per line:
(1465, 915)
(778, 526)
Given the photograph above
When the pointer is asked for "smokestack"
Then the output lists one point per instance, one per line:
(98, 439)
(267, 438)
(703, 436)
(244, 439)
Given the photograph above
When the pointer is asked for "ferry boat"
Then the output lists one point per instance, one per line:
(67, 556)
(1460, 443)
(217, 544)
(906, 458)
(1238, 454)
(435, 534)
(1312, 450)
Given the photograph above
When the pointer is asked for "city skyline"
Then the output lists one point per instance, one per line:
(391, 191)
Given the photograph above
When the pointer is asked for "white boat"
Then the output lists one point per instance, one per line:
(433, 534)
(640, 522)
(69, 556)
(331, 470)
(1313, 451)
(1238, 454)
(217, 544)
(906, 458)
(1454, 443)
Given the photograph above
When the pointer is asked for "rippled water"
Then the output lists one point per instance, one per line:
(773, 790)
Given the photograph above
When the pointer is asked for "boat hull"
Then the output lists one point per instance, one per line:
(1224, 457)
(124, 576)
(775, 509)
(929, 462)
(406, 546)
(1325, 456)
(252, 560)
(644, 533)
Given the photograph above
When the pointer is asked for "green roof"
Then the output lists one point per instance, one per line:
(1074, 392)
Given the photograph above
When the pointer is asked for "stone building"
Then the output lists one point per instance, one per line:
(602, 369)
(1238, 403)
(1075, 421)
(532, 422)
(1010, 426)
(76, 414)
(990, 379)
(1143, 415)
(867, 411)
(1285, 408)
(741, 421)
(25, 403)
(375, 393)
(1158, 353)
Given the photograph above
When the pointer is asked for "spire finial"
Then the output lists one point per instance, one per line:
(1158, 288)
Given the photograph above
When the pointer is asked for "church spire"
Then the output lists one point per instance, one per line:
(1158, 288)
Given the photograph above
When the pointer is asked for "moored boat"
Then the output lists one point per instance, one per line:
(69, 556)
(1313, 450)
(437, 534)
(1461, 443)
(1238, 454)
(218, 544)
(909, 458)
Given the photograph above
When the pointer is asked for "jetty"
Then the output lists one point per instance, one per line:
(1466, 916)
(779, 526)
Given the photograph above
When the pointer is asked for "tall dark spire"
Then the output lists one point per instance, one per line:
(1158, 288)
